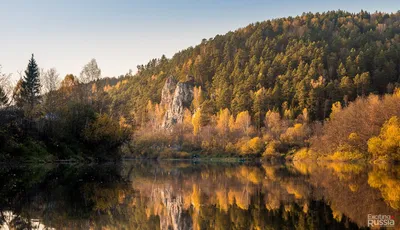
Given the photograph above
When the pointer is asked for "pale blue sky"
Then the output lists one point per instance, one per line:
(122, 34)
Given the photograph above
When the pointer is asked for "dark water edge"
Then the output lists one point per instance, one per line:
(197, 194)
(136, 159)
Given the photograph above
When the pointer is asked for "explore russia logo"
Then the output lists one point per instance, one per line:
(380, 220)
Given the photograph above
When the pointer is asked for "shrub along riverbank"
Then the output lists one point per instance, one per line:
(367, 129)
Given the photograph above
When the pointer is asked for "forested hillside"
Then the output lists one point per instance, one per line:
(287, 65)
(318, 85)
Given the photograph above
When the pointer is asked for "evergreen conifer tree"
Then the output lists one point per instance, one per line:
(31, 83)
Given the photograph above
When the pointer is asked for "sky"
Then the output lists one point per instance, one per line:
(123, 34)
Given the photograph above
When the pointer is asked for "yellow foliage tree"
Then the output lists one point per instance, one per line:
(107, 88)
(196, 122)
(94, 88)
(273, 122)
(155, 114)
(305, 115)
(288, 114)
(243, 122)
(198, 97)
(150, 113)
(387, 144)
(336, 107)
(253, 146)
(68, 84)
(223, 121)
(270, 149)
(295, 134)
(158, 114)
(396, 92)
(123, 123)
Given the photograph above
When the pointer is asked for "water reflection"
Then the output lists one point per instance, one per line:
(186, 195)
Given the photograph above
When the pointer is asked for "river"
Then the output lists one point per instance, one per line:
(199, 195)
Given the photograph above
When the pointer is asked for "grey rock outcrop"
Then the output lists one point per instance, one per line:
(176, 103)
(167, 93)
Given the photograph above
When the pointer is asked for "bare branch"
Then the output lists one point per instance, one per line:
(50, 80)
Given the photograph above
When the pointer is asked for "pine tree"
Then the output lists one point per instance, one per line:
(362, 82)
(341, 71)
(31, 83)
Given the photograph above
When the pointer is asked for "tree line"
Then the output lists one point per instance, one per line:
(285, 65)
(46, 119)
(264, 89)
(279, 80)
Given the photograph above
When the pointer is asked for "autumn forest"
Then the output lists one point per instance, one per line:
(319, 86)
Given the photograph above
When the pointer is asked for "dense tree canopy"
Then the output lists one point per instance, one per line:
(288, 64)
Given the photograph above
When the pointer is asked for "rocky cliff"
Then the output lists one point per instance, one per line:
(175, 98)
(167, 93)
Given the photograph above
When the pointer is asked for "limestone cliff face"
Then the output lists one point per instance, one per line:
(176, 102)
(167, 93)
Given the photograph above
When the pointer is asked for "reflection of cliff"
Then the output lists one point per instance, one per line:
(174, 193)
(183, 195)
(274, 190)
(171, 210)
(289, 191)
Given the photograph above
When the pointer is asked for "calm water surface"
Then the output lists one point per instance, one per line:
(187, 195)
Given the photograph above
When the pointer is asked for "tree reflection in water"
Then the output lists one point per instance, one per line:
(186, 195)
